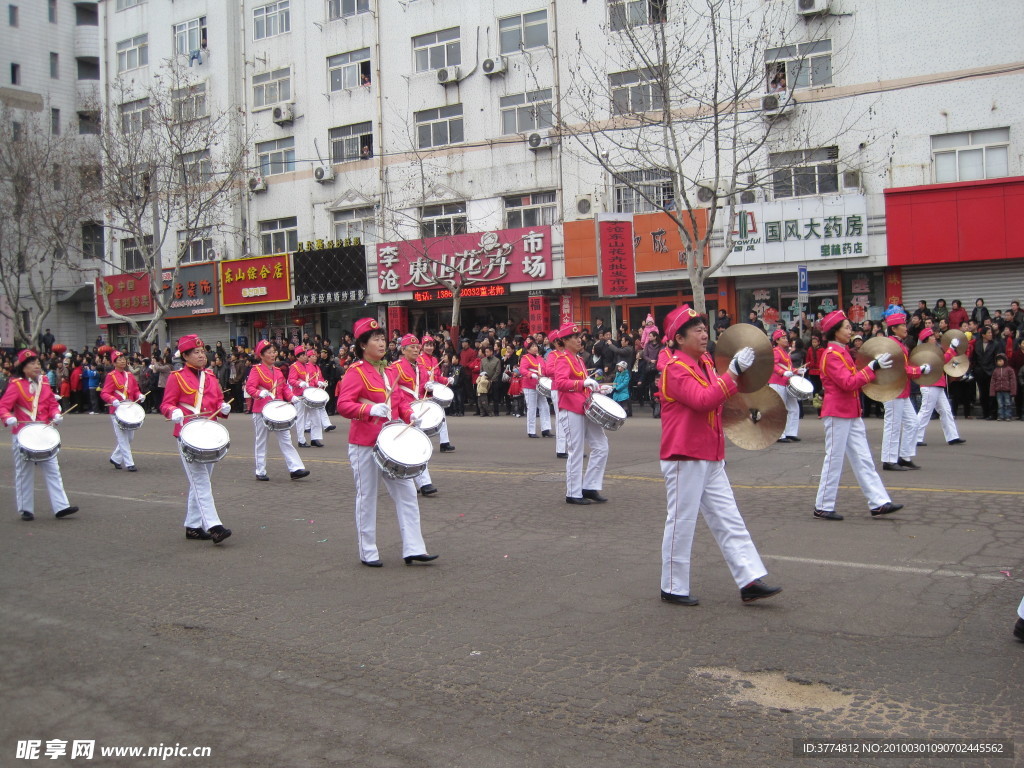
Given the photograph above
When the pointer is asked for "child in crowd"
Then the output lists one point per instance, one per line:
(1003, 387)
(483, 386)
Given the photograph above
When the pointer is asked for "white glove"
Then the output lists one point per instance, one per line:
(225, 409)
(416, 421)
(591, 384)
(264, 393)
(322, 384)
(57, 419)
(954, 343)
(177, 416)
(296, 399)
(534, 375)
(429, 386)
(883, 360)
(115, 403)
(141, 399)
(787, 374)
(926, 369)
(802, 371)
(742, 360)
(11, 421)
(381, 410)
(451, 380)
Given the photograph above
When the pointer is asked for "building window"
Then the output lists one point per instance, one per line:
(971, 155)
(92, 240)
(122, 4)
(644, 191)
(527, 30)
(271, 19)
(805, 172)
(17, 130)
(279, 235)
(12, 15)
(51, 11)
(54, 66)
(623, 14)
(15, 74)
(272, 87)
(88, 123)
(133, 53)
(438, 127)
(90, 176)
(441, 220)
(55, 122)
(276, 156)
(132, 258)
(525, 112)
(135, 116)
(807, 65)
(635, 91)
(351, 142)
(534, 210)
(88, 68)
(337, 9)
(349, 70)
(199, 249)
(436, 50)
(356, 222)
(196, 167)
(57, 176)
(190, 36)
(86, 15)
(190, 103)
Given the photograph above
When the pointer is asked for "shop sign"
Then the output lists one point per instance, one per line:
(256, 280)
(472, 292)
(128, 294)
(193, 293)
(332, 275)
(616, 260)
(539, 313)
(565, 309)
(506, 256)
(894, 285)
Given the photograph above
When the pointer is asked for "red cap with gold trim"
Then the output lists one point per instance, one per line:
(777, 334)
(364, 325)
(832, 319)
(261, 345)
(25, 355)
(568, 329)
(677, 318)
(188, 343)
(407, 340)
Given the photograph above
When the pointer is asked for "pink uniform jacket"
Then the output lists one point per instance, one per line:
(405, 377)
(360, 387)
(569, 372)
(912, 370)
(19, 398)
(531, 364)
(268, 378)
(120, 386)
(182, 391)
(302, 375)
(783, 363)
(948, 355)
(692, 396)
(842, 382)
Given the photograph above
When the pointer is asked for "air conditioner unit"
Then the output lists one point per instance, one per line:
(257, 184)
(324, 173)
(446, 75)
(811, 7)
(495, 66)
(707, 189)
(751, 196)
(537, 141)
(584, 207)
(851, 179)
(777, 104)
(284, 113)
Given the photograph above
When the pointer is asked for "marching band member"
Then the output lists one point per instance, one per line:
(433, 366)
(781, 374)
(899, 434)
(266, 383)
(302, 375)
(693, 462)
(120, 386)
(572, 383)
(29, 398)
(531, 369)
(364, 398)
(561, 426)
(410, 384)
(933, 396)
(192, 392)
(844, 427)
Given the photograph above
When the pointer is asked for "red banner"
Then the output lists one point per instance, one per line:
(398, 320)
(257, 280)
(565, 309)
(616, 259)
(894, 285)
(540, 314)
(128, 294)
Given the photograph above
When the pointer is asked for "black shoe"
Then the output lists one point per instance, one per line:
(116, 465)
(419, 559)
(330, 428)
(537, 437)
(546, 433)
(372, 563)
(908, 463)
(822, 514)
(198, 534)
(132, 468)
(922, 445)
(957, 441)
(262, 478)
(757, 590)
(793, 439)
(561, 455)
(890, 467)
(27, 516)
(302, 445)
(668, 597)
(1018, 630)
(298, 474)
(428, 489)
(67, 511)
(577, 500)
(317, 443)
(594, 496)
(447, 448)
(886, 509)
(218, 533)
(782, 440)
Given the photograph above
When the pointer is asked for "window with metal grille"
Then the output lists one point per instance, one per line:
(351, 142)
(643, 191)
(133, 259)
(803, 172)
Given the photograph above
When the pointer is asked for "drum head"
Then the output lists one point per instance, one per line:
(130, 413)
(38, 437)
(800, 387)
(279, 410)
(315, 395)
(406, 445)
(205, 434)
(442, 393)
(429, 413)
(609, 406)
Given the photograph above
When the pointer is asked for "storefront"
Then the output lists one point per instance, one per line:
(256, 297)
(192, 304)
(330, 291)
(127, 295)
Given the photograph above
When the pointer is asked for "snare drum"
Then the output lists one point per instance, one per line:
(38, 441)
(800, 388)
(204, 441)
(402, 451)
(544, 386)
(430, 414)
(129, 416)
(279, 415)
(604, 412)
(314, 397)
(442, 395)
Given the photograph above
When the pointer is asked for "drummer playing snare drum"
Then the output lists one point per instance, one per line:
(364, 397)
(265, 384)
(301, 376)
(411, 380)
(194, 393)
(29, 399)
(428, 361)
(782, 372)
(120, 386)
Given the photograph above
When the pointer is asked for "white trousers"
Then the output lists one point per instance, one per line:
(201, 511)
(308, 418)
(848, 437)
(536, 402)
(284, 444)
(560, 423)
(443, 434)
(403, 492)
(1020, 609)
(934, 399)
(123, 450)
(703, 486)
(792, 409)
(325, 420)
(899, 435)
(580, 430)
(25, 479)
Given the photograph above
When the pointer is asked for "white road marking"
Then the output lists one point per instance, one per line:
(889, 568)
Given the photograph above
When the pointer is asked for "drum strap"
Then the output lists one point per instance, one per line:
(199, 394)
(34, 396)
(120, 390)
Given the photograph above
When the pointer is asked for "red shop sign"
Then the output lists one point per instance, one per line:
(128, 294)
(616, 261)
(256, 280)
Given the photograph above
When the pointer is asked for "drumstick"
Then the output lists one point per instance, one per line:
(204, 413)
(69, 410)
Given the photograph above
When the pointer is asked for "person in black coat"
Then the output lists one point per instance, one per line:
(980, 312)
(983, 363)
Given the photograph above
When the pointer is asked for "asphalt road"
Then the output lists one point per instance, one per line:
(538, 637)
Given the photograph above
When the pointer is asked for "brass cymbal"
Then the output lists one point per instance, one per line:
(754, 420)
(951, 334)
(889, 382)
(733, 339)
(931, 354)
(957, 366)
